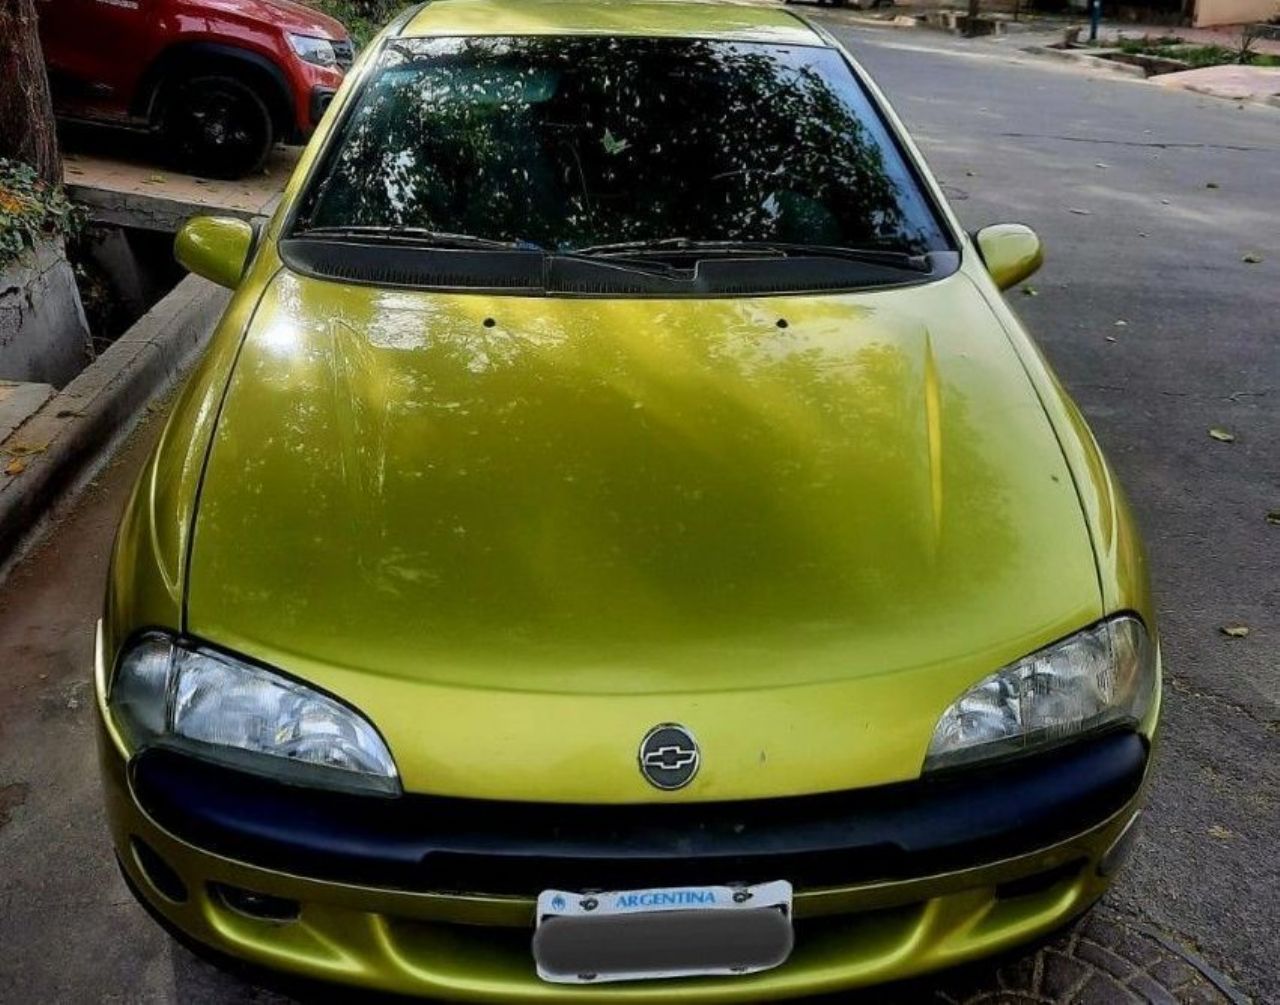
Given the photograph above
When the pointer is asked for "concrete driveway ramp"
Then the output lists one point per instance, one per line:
(1243, 83)
(18, 402)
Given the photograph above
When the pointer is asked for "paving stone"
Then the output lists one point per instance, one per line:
(1062, 975)
(1149, 990)
(1020, 974)
(1141, 950)
(1104, 959)
(1173, 972)
(1102, 989)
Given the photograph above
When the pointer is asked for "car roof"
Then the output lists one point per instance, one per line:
(670, 18)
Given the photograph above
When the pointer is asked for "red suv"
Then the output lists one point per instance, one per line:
(219, 80)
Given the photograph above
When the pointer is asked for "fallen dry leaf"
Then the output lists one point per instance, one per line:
(1252, 258)
(1079, 212)
(1222, 435)
(1212, 184)
(15, 466)
(1030, 291)
(1274, 517)
(1122, 324)
(26, 450)
(1235, 630)
(1220, 832)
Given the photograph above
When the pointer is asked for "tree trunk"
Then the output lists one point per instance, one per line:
(26, 112)
(971, 27)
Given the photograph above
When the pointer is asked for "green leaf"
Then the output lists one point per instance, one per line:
(612, 145)
(1222, 435)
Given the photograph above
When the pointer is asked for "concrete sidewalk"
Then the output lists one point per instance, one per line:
(50, 442)
(1238, 83)
(1041, 34)
(117, 178)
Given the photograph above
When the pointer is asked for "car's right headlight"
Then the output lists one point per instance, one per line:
(1103, 676)
(318, 51)
(220, 708)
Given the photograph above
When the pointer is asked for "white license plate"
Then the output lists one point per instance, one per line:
(679, 931)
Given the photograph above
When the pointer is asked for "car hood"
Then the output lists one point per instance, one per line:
(285, 14)
(502, 503)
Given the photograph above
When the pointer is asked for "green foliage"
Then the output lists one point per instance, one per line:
(31, 210)
(363, 18)
(1148, 45)
(1196, 56)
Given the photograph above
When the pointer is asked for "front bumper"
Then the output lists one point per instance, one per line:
(370, 913)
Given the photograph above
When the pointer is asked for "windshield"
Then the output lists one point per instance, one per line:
(564, 143)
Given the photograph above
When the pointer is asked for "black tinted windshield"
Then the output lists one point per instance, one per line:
(563, 143)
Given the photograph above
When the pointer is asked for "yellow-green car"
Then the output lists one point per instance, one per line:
(619, 545)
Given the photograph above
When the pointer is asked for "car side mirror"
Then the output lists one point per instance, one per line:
(1011, 252)
(216, 247)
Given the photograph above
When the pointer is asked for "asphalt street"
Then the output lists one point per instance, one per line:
(1149, 202)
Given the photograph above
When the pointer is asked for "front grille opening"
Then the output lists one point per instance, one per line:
(527, 876)
(259, 906)
(162, 876)
(1039, 882)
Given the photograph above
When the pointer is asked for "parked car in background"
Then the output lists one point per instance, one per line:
(221, 82)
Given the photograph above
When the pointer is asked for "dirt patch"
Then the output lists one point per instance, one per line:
(11, 797)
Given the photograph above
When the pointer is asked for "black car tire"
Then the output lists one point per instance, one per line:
(217, 126)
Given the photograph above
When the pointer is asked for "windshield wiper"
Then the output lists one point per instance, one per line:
(786, 249)
(427, 238)
(420, 235)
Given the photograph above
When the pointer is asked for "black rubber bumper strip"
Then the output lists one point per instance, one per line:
(426, 843)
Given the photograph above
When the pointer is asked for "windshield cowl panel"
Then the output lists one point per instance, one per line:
(556, 144)
(525, 273)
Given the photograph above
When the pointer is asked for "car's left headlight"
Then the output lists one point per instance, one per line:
(220, 708)
(1102, 676)
(310, 49)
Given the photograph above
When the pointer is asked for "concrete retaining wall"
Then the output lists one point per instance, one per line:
(69, 434)
(44, 336)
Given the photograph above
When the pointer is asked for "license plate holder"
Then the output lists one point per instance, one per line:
(688, 931)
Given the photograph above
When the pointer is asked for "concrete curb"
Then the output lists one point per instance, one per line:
(1085, 59)
(1094, 62)
(62, 440)
(151, 211)
(1208, 91)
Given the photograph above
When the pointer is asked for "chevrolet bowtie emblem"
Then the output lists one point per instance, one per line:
(669, 756)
